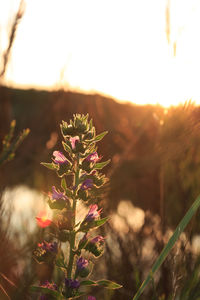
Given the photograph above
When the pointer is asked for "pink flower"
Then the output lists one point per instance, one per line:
(93, 213)
(59, 157)
(52, 247)
(93, 157)
(74, 140)
(48, 285)
(97, 239)
(91, 298)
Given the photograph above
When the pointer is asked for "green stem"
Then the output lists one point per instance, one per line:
(73, 233)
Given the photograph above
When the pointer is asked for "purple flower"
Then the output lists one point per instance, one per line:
(74, 140)
(52, 247)
(59, 158)
(97, 239)
(91, 298)
(93, 157)
(93, 213)
(87, 184)
(56, 195)
(43, 297)
(82, 263)
(70, 283)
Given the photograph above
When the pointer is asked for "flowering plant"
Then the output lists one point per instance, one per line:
(71, 241)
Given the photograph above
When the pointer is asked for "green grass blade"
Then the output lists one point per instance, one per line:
(179, 229)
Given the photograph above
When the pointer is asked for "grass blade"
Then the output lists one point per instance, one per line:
(179, 229)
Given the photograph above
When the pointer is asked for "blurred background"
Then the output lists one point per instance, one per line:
(134, 67)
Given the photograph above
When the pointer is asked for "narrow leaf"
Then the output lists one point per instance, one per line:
(68, 193)
(100, 136)
(109, 284)
(100, 222)
(50, 166)
(67, 148)
(101, 165)
(87, 282)
(93, 224)
(179, 229)
(60, 263)
(63, 184)
(90, 124)
(40, 289)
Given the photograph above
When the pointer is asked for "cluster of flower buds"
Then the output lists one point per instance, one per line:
(46, 252)
(81, 162)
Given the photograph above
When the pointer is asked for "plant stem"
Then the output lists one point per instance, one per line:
(73, 233)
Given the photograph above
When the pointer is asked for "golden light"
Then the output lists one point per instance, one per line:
(117, 48)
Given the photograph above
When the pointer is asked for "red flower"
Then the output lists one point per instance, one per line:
(42, 219)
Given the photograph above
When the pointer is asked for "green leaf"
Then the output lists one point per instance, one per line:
(90, 124)
(179, 229)
(39, 289)
(63, 184)
(68, 193)
(50, 166)
(101, 165)
(98, 223)
(60, 263)
(87, 283)
(93, 224)
(100, 136)
(67, 148)
(64, 169)
(57, 204)
(109, 284)
(78, 295)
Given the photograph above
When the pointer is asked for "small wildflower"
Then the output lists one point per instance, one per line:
(52, 247)
(74, 140)
(91, 298)
(87, 184)
(97, 239)
(42, 219)
(80, 164)
(56, 195)
(82, 263)
(73, 284)
(93, 213)
(59, 157)
(93, 157)
(48, 285)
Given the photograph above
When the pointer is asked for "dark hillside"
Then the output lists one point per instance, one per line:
(143, 142)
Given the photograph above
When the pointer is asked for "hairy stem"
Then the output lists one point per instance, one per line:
(73, 233)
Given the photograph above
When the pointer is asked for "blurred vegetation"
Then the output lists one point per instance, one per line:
(155, 165)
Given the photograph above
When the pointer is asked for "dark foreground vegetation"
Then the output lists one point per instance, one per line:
(155, 165)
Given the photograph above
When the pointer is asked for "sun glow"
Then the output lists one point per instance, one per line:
(118, 48)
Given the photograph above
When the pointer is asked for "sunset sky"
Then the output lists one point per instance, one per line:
(115, 47)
